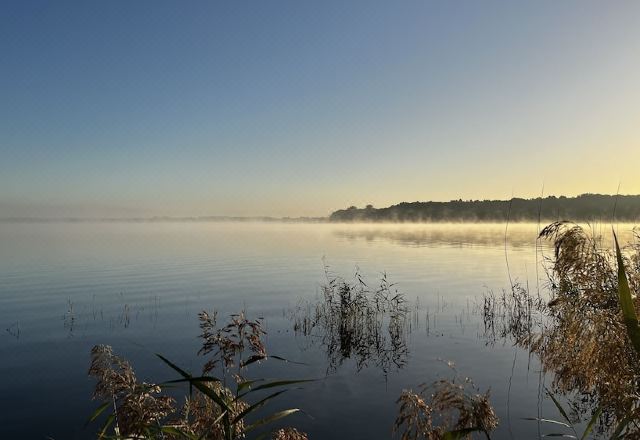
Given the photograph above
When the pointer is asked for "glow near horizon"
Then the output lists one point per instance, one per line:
(292, 109)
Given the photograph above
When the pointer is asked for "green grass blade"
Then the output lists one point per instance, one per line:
(255, 406)
(257, 358)
(556, 422)
(626, 301)
(106, 425)
(272, 418)
(174, 366)
(280, 383)
(591, 424)
(220, 417)
(560, 408)
(192, 379)
(277, 383)
(98, 411)
(252, 359)
(280, 358)
(247, 384)
(198, 385)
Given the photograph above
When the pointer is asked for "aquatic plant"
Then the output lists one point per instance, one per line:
(626, 300)
(353, 321)
(216, 408)
(446, 409)
(136, 406)
(567, 422)
(228, 344)
(513, 314)
(289, 434)
(586, 334)
(589, 333)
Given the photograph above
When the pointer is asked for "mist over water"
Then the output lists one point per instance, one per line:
(139, 286)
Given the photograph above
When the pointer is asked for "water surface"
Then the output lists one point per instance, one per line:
(65, 287)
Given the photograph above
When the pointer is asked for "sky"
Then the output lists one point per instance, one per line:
(298, 108)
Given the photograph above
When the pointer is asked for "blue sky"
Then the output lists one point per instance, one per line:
(119, 108)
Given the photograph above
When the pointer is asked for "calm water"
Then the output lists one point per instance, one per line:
(139, 287)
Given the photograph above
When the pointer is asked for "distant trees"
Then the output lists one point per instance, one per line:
(586, 207)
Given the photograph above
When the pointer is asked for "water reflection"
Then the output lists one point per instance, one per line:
(516, 235)
(352, 321)
(438, 235)
(579, 335)
(513, 315)
(14, 330)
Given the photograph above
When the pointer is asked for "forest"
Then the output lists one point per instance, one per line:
(583, 208)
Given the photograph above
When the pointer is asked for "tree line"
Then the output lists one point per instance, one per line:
(583, 208)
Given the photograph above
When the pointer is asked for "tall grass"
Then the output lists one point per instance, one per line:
(446, 409)
(354, 321)
(217, 407)
(589, 338)
(513, 313)
(626, 300)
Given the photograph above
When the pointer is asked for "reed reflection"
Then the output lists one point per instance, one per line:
(353, 321)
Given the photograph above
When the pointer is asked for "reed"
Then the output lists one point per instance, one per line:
(587, 335)
(354, 321)
(220, 407)
(446, 409)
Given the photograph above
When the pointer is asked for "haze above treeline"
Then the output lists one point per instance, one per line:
(583, 208)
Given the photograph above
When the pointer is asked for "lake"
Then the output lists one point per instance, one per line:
(65, 287)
